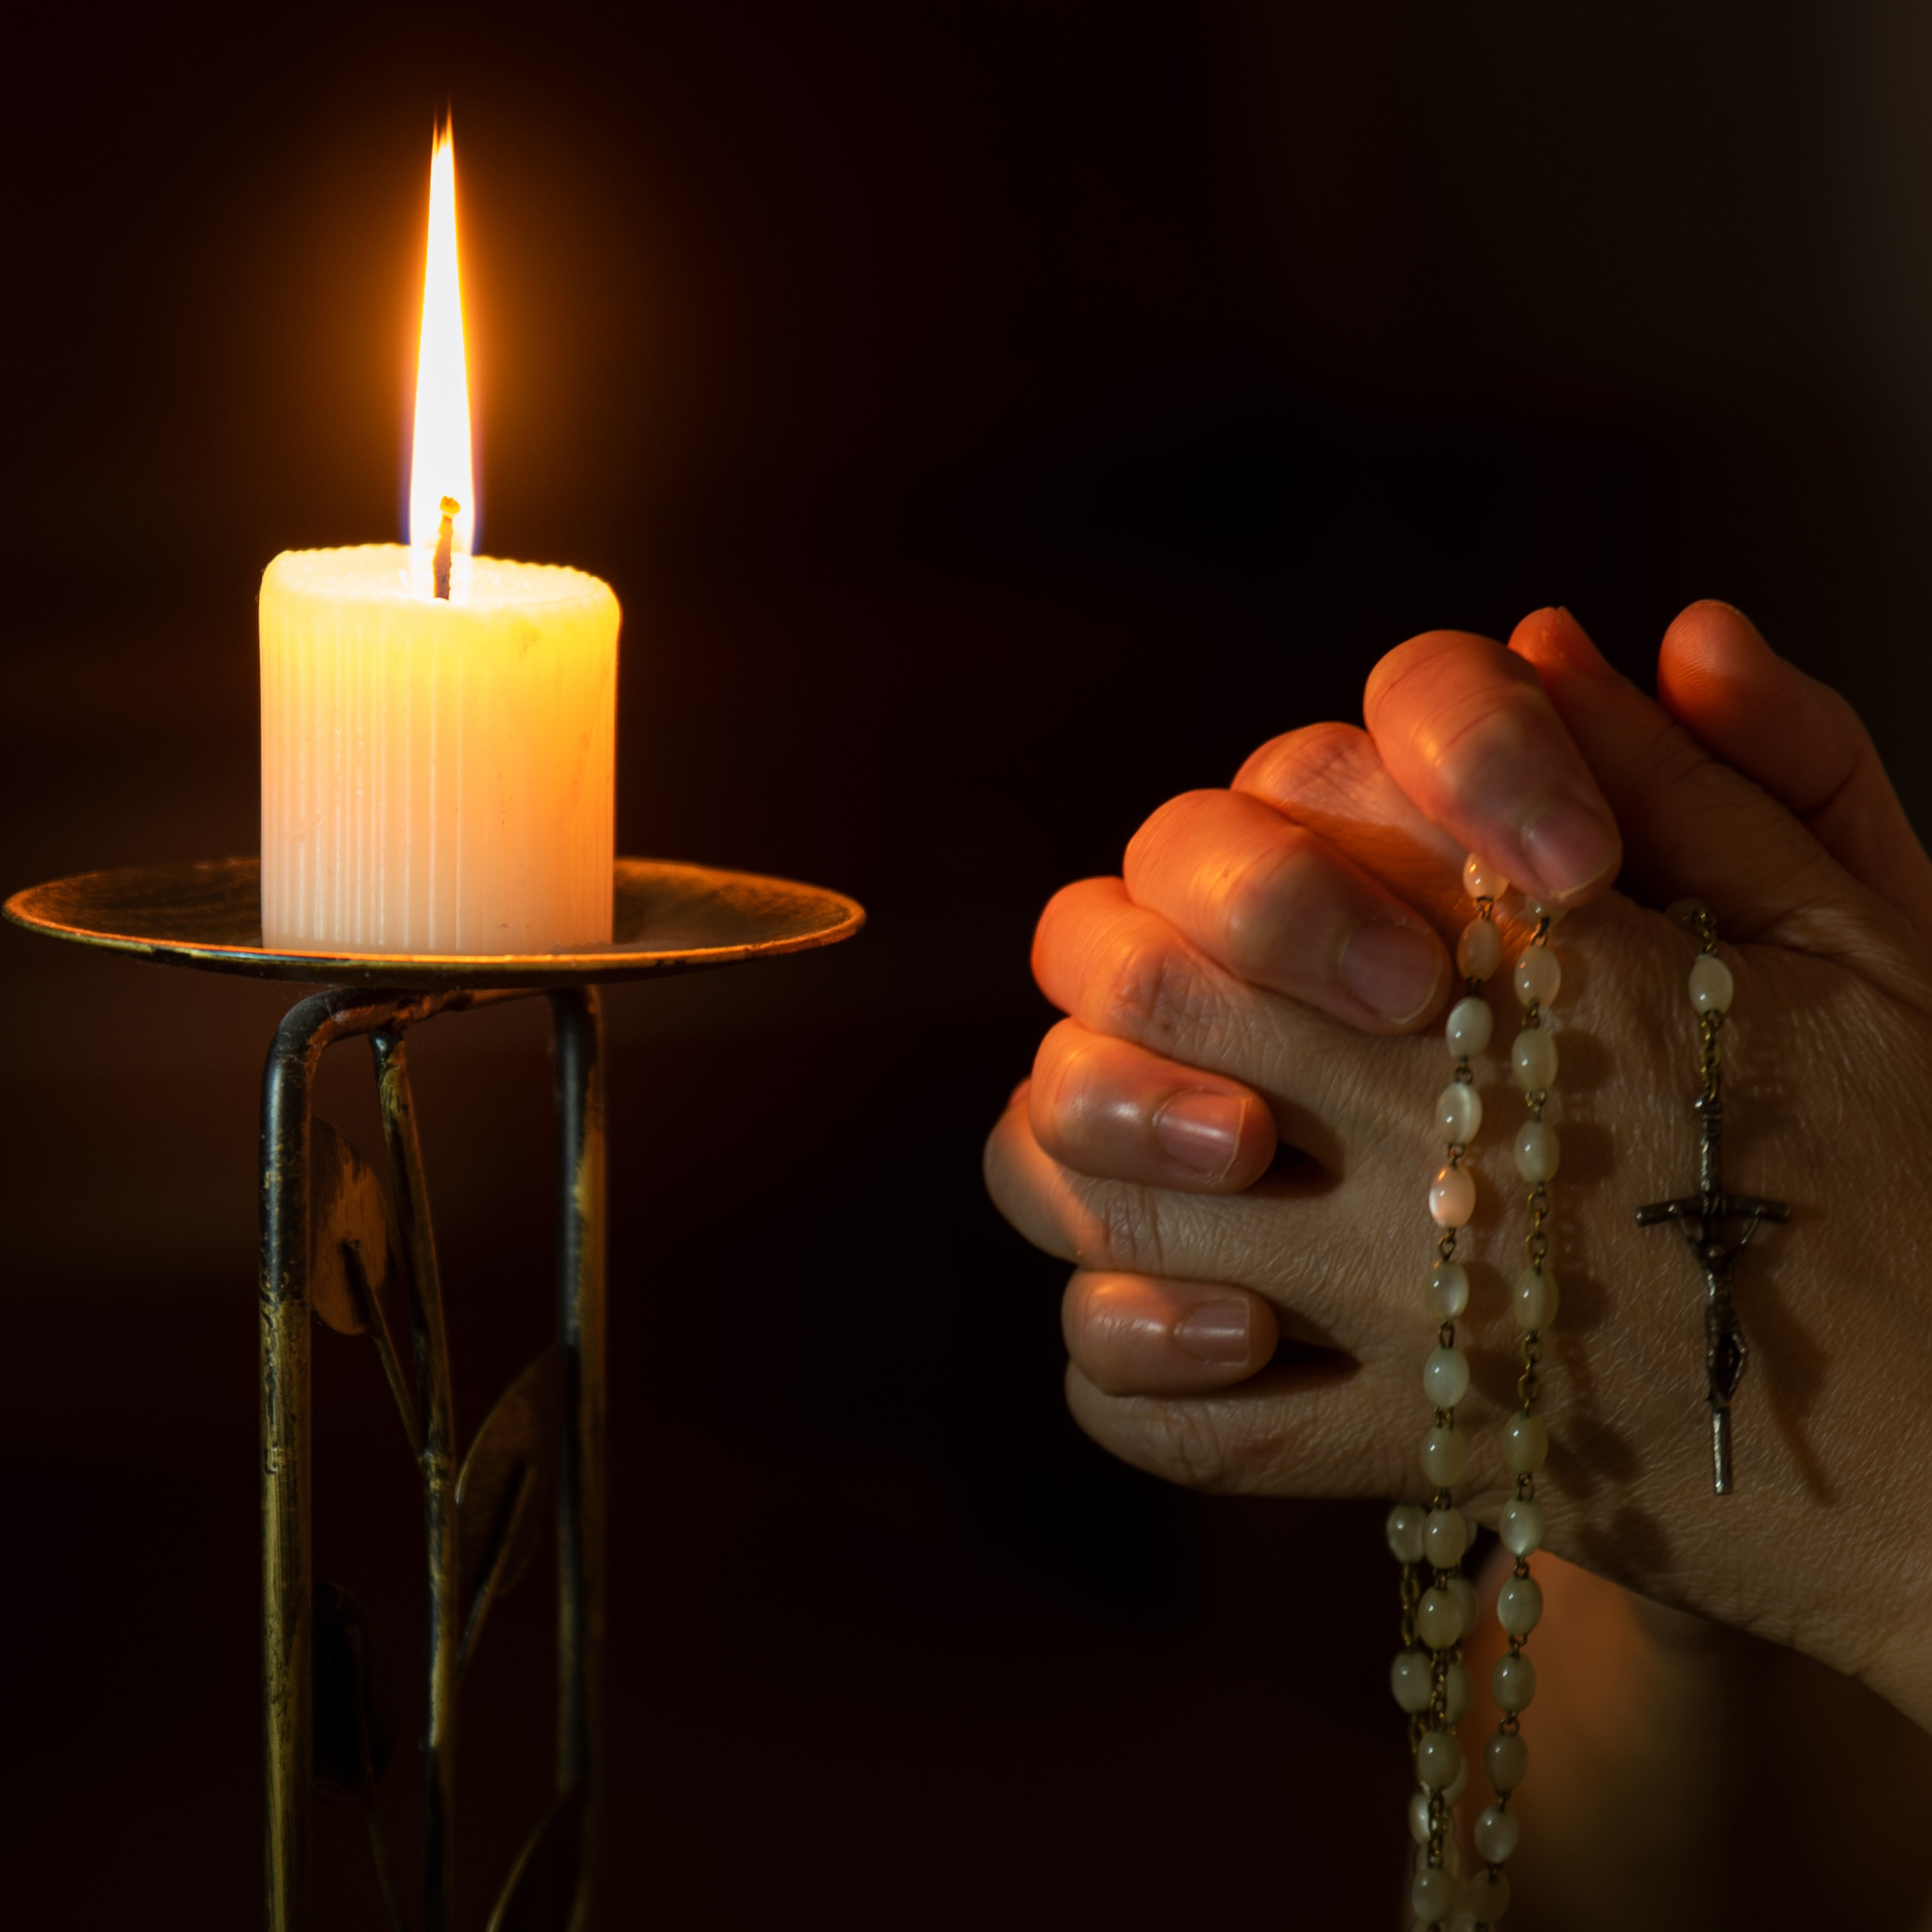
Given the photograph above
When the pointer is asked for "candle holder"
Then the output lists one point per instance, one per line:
(338, 1246)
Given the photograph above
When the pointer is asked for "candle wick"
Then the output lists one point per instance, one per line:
(443, 536)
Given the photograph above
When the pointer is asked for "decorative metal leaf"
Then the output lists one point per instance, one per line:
(353, 1244)
(540, 1894)
(355, 1710)
(506, 1482)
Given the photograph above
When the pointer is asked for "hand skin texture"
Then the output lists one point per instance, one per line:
(1230, 1134)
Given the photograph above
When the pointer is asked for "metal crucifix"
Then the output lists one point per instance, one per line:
(1701, 1217)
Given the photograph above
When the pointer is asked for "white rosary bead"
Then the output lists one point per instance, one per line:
(1489, 1897)
(1532, 1059)
(1462, 1920)
(1440, 1621)
(1519, 1605)
(1433, 1894)
(1538, 976)
(1710, 984)
(1452, 1197)
(1439, 1757)
(1445, 1454)
(1464, 1591)
(1410, 1681)
(1419, 1817)
(1525, 1442)
(1537, 910)
(1506, 1758)
(1469, 1027)
(1535, 1297)
(1448, 1290)
(1538, 1151)
(1513, 1683)
(1452, 1796)
(1458, 1113)
(1481, 881)
(1520, 1527)
(1404, 1530)
(1479, 952)
(1496, 1833)
(1444, 1536)
(1459, 1692)
(1446, 1377)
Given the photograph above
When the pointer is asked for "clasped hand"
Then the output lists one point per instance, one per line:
(1230, 1134)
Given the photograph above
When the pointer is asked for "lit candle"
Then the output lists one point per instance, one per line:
(439, 729)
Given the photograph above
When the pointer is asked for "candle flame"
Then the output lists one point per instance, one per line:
(440, 460)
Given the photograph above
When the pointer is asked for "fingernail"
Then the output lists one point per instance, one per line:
(1393, 970)
(1201, 1131)
(1569, 848)
(1216, 1332)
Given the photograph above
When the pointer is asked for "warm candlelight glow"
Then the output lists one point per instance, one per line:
(440, 460)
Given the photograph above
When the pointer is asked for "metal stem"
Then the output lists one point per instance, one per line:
(437, 1462)
(580, 1487)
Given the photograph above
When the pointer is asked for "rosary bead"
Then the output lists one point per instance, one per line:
(1506, 1759)
(1513, 1683)
(1445, 1455)
(1481, 881)
(1710, 984)
(1464, 1921)
(1440, 1621)
(1453, 1795)
(1496, 1833)
(1433, 1895)
(1535, 1297)
(1479, 952)
(1532, 1059)
(1452, 1197)
(1519, 1605)
(1448, 1290)
(1489, 1897)
(1459, 1692)
(1538, 976)
(1469, 1027)
(1538, 1151)
(1439, 1757)
(1458, 1113)
(1444, 1536)
(1521, 1526)
(1464, 1591)
(1525, 1442)
(1419, 1817)
(1446, 1377)
(1404, 1530)
(1537, 910)
(1410, 1680)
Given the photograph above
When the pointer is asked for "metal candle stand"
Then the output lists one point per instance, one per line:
(338, 1247)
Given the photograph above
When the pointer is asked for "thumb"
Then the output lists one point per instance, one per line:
(1694, 827)
(1798, 739)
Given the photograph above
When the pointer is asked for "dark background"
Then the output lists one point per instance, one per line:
(993, 419)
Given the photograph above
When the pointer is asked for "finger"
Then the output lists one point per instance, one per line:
(1135, 1335)
(1697, 828)
(1278, 906)
(1124, 971)
(1468, 734)
(1331, 1295)
(1111, 1109)
(1798, 739)
(1329, 778)
(1316, 1426)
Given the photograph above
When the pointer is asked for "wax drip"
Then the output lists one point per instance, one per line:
(444, 537)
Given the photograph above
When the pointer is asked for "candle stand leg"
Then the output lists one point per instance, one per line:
(551, 1881)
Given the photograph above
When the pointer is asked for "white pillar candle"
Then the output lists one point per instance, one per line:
(438, 775)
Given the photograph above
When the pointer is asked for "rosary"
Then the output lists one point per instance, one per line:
(1428, 1677)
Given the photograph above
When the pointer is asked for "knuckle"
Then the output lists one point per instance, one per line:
(1124, 1228)
(1311, 766)
(1150, 993)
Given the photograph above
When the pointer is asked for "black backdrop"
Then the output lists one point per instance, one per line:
(993, 419)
